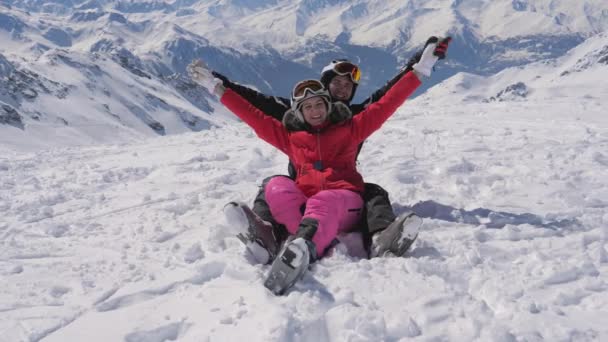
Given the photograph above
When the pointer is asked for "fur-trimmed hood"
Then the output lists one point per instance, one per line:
(294, 121)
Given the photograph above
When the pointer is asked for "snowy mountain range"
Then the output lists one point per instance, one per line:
(73, 66)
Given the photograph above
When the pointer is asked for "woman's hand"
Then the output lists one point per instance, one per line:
(200, 73)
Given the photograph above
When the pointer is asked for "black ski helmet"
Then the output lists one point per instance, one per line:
(329, 72)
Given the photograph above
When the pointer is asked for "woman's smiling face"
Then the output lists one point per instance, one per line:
(314, 110)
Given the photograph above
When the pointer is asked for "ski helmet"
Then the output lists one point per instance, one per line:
(341, 67)
(307, 89)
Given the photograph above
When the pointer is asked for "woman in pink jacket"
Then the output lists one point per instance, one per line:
(321, 139)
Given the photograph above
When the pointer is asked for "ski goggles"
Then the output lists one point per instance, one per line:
(345, 68)
(307, 88)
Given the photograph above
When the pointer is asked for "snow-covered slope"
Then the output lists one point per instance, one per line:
(128, 242)
(64, 99)
(62, 96)
(125, 240)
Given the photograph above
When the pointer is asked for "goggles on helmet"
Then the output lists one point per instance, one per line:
(345, 68)
(308, 88)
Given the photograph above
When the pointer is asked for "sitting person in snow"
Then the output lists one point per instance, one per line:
(341, 78)
(321, 139)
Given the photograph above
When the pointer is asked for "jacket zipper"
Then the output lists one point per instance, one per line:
(321, 180)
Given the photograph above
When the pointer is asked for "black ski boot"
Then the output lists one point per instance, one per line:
(290, 265)
(258, 234)
(398, 237)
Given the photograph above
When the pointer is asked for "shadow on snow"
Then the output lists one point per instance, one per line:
(479, 216)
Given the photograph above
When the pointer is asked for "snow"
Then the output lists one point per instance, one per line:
(111, 232)
(128, 242)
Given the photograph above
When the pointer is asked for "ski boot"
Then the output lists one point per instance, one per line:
(290, 265)
(258, 235)
(398, 237)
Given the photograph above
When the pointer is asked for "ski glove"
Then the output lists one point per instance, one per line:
(200, 73)
(434, 50)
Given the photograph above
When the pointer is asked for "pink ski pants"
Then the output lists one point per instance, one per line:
(336, 210)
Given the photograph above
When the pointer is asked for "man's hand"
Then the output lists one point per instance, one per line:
(434, 50)
(200, 73)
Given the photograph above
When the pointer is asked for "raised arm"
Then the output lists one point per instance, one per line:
(378, 94)
(374, 115)
(266, 127)
(269, 105)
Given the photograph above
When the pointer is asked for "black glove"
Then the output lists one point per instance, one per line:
(224, 79)
(413, 60)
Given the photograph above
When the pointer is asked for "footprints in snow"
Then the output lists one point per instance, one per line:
(206, 273)
(169, 332)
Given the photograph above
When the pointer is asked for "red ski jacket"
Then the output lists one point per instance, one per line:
(325, 158)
